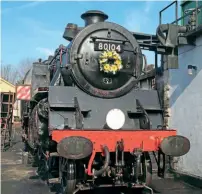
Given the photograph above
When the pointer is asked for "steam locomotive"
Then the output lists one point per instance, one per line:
(94, 118)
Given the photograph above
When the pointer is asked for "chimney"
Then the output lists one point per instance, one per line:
(93, 16)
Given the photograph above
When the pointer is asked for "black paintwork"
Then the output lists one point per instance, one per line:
(95, 109)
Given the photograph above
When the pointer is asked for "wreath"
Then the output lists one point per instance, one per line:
(110, 62)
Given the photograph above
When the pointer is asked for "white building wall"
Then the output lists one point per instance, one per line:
(17, 108)
(186, 106)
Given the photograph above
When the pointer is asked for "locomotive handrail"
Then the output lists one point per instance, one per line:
(54, 57)
(105, 38)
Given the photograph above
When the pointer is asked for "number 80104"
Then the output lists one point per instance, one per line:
(109, 47)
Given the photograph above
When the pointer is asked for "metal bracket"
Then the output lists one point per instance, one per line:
(144, 123)
(120, 149)
(78, 114)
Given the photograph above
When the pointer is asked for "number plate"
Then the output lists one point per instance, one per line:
(104, 46)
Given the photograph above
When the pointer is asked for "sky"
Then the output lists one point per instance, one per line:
(34, 29)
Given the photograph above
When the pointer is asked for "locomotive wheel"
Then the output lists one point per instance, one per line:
(32, 133)
(67, 171)
(69, 186)
(42, 165)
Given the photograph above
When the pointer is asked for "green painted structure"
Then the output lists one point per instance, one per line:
(185, 5)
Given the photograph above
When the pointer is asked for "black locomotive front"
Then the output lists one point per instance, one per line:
(97, 75)
(90, 99)
(90, 57)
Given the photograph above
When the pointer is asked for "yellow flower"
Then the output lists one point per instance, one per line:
(110, 54)
(104, 55)
(118, 62)
(115, 58)
(106, 67)
(114, 68)
(103, 60)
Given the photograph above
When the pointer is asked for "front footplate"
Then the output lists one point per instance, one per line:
(146, 140)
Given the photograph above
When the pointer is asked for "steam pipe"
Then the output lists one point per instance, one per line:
(106, 163)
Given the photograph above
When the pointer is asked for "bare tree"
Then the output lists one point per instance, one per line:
(9, 73)
(15, 74)
(24, 66)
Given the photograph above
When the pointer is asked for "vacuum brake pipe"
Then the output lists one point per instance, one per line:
(106, 163)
